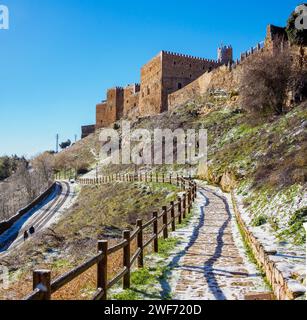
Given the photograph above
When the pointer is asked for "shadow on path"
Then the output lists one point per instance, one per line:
(207, 269)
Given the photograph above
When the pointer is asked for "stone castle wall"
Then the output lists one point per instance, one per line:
(222, 78)
(172, 79)
(150, 102)
(165, 74)
(105, 115)
(131, 99)
(179, 71)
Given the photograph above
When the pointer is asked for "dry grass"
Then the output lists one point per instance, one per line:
(100, 213)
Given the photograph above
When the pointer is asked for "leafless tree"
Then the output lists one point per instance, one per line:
(43, 165)
(264, 82)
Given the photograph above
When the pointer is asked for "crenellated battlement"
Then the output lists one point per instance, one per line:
(165, 73)
(180, 55)
(169, 74)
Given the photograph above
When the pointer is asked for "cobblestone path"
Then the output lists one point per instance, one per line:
(212, 263)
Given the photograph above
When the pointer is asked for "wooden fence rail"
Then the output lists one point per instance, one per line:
(44, 287)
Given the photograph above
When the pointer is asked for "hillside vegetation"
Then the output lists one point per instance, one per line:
(101, 212)
(264, 157)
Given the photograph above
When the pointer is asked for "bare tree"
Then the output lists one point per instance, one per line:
(44, 164)
(25, 178)
(264, 82)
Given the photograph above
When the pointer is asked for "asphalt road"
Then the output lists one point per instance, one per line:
(39, 217)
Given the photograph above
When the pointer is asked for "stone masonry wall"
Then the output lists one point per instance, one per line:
(115, 101)
(221, 78)
(105, 115)
(179, 71)
(131, 99)
(112, 109)
(284, 289)
(150, 102)
(165, 74)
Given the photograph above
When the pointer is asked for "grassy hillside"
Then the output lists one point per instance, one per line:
(264, 157)
(99, 213)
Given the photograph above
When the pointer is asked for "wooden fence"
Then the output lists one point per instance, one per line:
(160, 224)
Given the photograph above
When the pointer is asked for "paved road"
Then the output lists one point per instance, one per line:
(39, 217)
(212, 263)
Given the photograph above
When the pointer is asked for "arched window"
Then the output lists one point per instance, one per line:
(179, 85)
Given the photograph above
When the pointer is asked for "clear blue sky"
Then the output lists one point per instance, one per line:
(60, 56)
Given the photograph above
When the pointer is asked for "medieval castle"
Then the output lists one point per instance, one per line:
(169, 78)
(163, 75)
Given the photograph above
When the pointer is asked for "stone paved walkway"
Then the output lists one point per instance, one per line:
(212, 264)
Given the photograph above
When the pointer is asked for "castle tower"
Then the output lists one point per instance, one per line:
(115, 98)
(166, 73)
(225, 54)
(110, 110)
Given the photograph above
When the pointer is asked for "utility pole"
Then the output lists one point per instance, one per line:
(57, 143)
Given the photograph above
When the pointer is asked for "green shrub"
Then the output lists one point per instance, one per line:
(260, 220)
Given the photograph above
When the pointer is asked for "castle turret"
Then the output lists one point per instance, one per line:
(225, 54)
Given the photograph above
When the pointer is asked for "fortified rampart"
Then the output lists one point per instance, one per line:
(87, 130)
(131, 99)
(227, 77)
(171, 79)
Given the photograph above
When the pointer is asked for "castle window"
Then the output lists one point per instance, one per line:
(174, 62)
(179, 85)
(190, 65)
(190, 76)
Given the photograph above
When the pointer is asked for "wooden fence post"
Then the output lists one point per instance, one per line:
(139, 224)
(150, 176)
(177, 180)
(163, 177)
(170, 178)
(42, 281)
(126, 260)
(146, 177)
(173, 216)
(102, 268)
(155, 231)
(179, 210)
(189, 199)
(165, 222)
(184, 205)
